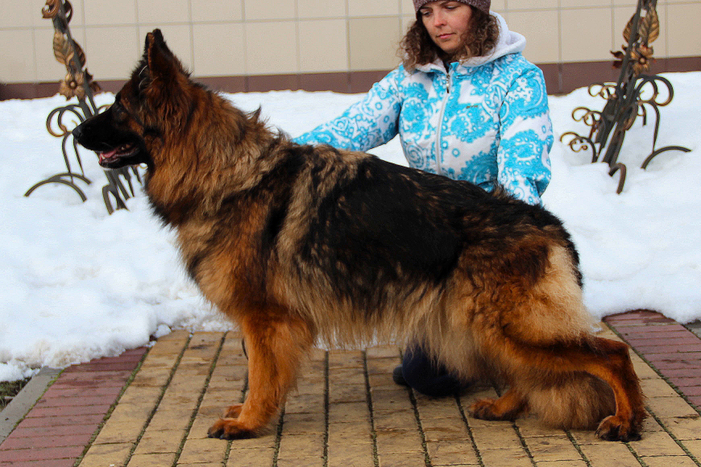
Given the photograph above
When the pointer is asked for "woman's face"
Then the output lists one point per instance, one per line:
(446, 23)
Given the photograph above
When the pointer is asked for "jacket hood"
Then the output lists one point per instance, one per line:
(509, 42)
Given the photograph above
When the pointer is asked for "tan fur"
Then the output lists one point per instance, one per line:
(263, 227)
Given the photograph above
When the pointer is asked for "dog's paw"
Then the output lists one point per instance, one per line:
(233, 411)
(613, 428)
(230, 428)
(486, 409)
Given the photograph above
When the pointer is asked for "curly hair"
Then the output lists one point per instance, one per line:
(417, 47)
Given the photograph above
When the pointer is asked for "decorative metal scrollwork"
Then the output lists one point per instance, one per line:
(628, 99)
(78, 84)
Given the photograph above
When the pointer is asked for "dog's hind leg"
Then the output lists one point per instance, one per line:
(276, 343)
(544, 366)
(616, 368)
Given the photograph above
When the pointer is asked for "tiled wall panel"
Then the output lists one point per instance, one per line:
(219, 49)
(219, 38)
(541, 31)
(271, 47)
(373, 42)
(119, 46)
(323, 45)
(586, 34)
(683, 30)
(205, 11)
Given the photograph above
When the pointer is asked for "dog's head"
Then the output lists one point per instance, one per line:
(151, 106)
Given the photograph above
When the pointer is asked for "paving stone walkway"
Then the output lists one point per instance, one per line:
(152, 407)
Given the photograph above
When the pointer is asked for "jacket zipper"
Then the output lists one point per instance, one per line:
(439, 148)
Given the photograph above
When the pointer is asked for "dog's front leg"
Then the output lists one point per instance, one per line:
(276, 341)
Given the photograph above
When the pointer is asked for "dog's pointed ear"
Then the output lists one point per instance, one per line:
(158, 58)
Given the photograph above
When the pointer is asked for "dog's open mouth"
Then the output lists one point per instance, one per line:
(125, 150)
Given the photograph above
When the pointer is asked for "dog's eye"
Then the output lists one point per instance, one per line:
(118, 110)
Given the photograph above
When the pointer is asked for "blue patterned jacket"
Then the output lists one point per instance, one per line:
(484, 120)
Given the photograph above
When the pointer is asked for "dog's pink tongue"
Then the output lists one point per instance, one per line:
(106, 155)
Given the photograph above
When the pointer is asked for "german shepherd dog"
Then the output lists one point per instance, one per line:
(301, 244)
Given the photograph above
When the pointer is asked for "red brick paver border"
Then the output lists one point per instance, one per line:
(62, 423)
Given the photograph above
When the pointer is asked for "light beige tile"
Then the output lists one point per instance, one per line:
(374, 43)
(268, 10)
(271, 47)
(530, 5)
(216, 10)
(112, 51)
(372, 8)
(586, 34)
(323, 46)
(325, 9)
(498, 5)
(581, 3)
(18, 14)
(219, 49)
(107, 12)
(178, 38)
(17, 56)
(163, 11)
(683, 32)
(407, 7)
(630, 3)
(540, 29)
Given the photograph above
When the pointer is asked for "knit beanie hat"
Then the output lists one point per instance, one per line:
(482, 5)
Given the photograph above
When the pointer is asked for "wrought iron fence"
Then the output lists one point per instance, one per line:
(78, 84)
(633, 96)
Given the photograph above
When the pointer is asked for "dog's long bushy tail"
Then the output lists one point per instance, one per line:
(575, 401)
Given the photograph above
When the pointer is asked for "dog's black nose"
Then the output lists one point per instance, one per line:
(78, 132)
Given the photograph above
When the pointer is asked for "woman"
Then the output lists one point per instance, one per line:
(467, 105)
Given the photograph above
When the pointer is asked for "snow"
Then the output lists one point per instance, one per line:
(80, 284)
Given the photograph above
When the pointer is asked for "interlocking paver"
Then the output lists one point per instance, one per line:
(506, 457)
(348, 434)
(658, 443)
(301, 446)
(578, 463)
(355, 455)
(262, 456)
(552, 448)
(301, 423)
(451, 452)
(206, 450)
(609, 454)
(398, 459)
(155, 460)
(101, 455)
(346, 411)
(667, 461)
